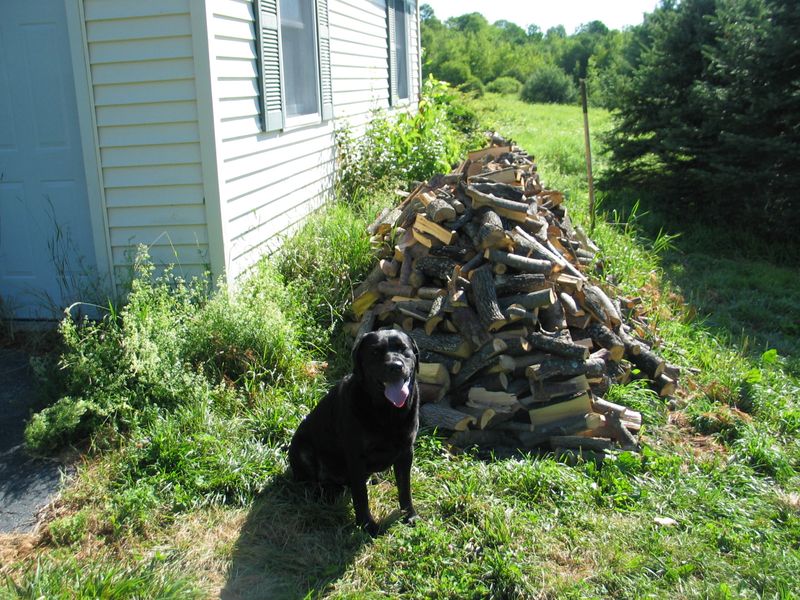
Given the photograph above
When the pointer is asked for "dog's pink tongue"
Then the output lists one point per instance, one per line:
(397, 393)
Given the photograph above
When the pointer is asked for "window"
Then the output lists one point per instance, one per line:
(300, 73)
(294, 62)
(399, 81)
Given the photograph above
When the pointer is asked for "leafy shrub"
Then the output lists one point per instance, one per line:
(453, 72)
(472, 85)
(172, 344)
(504, 85)
(549, 84)
(406, 146)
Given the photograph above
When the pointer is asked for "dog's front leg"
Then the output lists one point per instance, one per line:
(402, 475)
(358, 489)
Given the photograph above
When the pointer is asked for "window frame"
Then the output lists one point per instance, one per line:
(274, 115)
(395, 100)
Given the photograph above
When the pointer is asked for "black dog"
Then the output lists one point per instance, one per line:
(365, 424)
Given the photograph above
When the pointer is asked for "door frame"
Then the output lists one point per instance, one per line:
(90, 146)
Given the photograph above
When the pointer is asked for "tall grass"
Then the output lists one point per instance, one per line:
(708, 509)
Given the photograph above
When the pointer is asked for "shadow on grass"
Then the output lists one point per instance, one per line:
(744, 285)
(292, 545)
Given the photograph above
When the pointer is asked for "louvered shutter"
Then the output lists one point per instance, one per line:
(390, 18)
(326, 85)
(272, 117)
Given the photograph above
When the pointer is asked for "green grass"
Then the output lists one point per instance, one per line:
(188, 495)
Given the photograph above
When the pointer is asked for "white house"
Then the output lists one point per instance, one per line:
(201, 128)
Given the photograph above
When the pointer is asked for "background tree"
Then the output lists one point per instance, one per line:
(709, 113)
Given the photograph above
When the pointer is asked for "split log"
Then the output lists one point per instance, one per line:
(435, 373)
(664, 386)
(490, 232)
(516, 211)
(552, 317)
(603, 337)
(530, 301)
(510, 285)
(545, 391)
(436, 267)
(500, 401)
(485, 299)
(469, 326)
(436, 315)
(580, 442)
(561, 367)
(526, 265)
(423, 225)
(557, 345)
(649, 363)
(439, 210)
(440, 415)
(442, 343)
(478, 361)
(483, 414)
(571, 425)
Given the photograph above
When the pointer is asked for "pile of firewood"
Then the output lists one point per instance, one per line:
(484, 270)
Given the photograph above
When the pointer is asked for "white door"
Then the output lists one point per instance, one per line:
(46, 246)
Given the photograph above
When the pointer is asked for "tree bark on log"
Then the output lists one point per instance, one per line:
(526, 265)
(485, 299)
(439, 210)
(552, 317)
(440, 415)
(603, 337)
(469, 326)
(560, 367)
(649, 363)
(442, 343)
(478, 361)
(491, 233)
(557, 345)
(521, 283)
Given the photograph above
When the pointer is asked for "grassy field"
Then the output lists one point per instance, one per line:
(186, 496)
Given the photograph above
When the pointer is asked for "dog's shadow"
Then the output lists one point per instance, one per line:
(292, 544)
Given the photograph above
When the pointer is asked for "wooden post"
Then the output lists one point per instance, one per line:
(588, 154)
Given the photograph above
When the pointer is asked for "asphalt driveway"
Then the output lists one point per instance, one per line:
(27, 484)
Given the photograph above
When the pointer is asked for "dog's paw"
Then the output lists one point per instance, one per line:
(371, 527)
(411, 517)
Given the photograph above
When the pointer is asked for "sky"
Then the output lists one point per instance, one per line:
(616, 14)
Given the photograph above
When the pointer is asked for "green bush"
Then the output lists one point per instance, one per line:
(549, 84)
(406, 146)
(473, 86)
(453, 72)
(172, 344)
(504, 85)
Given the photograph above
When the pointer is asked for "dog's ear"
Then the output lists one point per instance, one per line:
(416, 352)
(357, 368)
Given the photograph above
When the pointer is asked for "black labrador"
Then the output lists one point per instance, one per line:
(364, 424)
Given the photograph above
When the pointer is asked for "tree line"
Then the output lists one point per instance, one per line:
(705, 96)
(470, 53)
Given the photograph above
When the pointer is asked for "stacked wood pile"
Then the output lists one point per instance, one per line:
(484, 270)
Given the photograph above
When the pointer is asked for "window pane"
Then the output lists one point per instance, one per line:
(401, 47)
(299, 46)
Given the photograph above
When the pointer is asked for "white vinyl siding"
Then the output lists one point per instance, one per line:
(185, 165)
(269, 181)
(142, 77)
